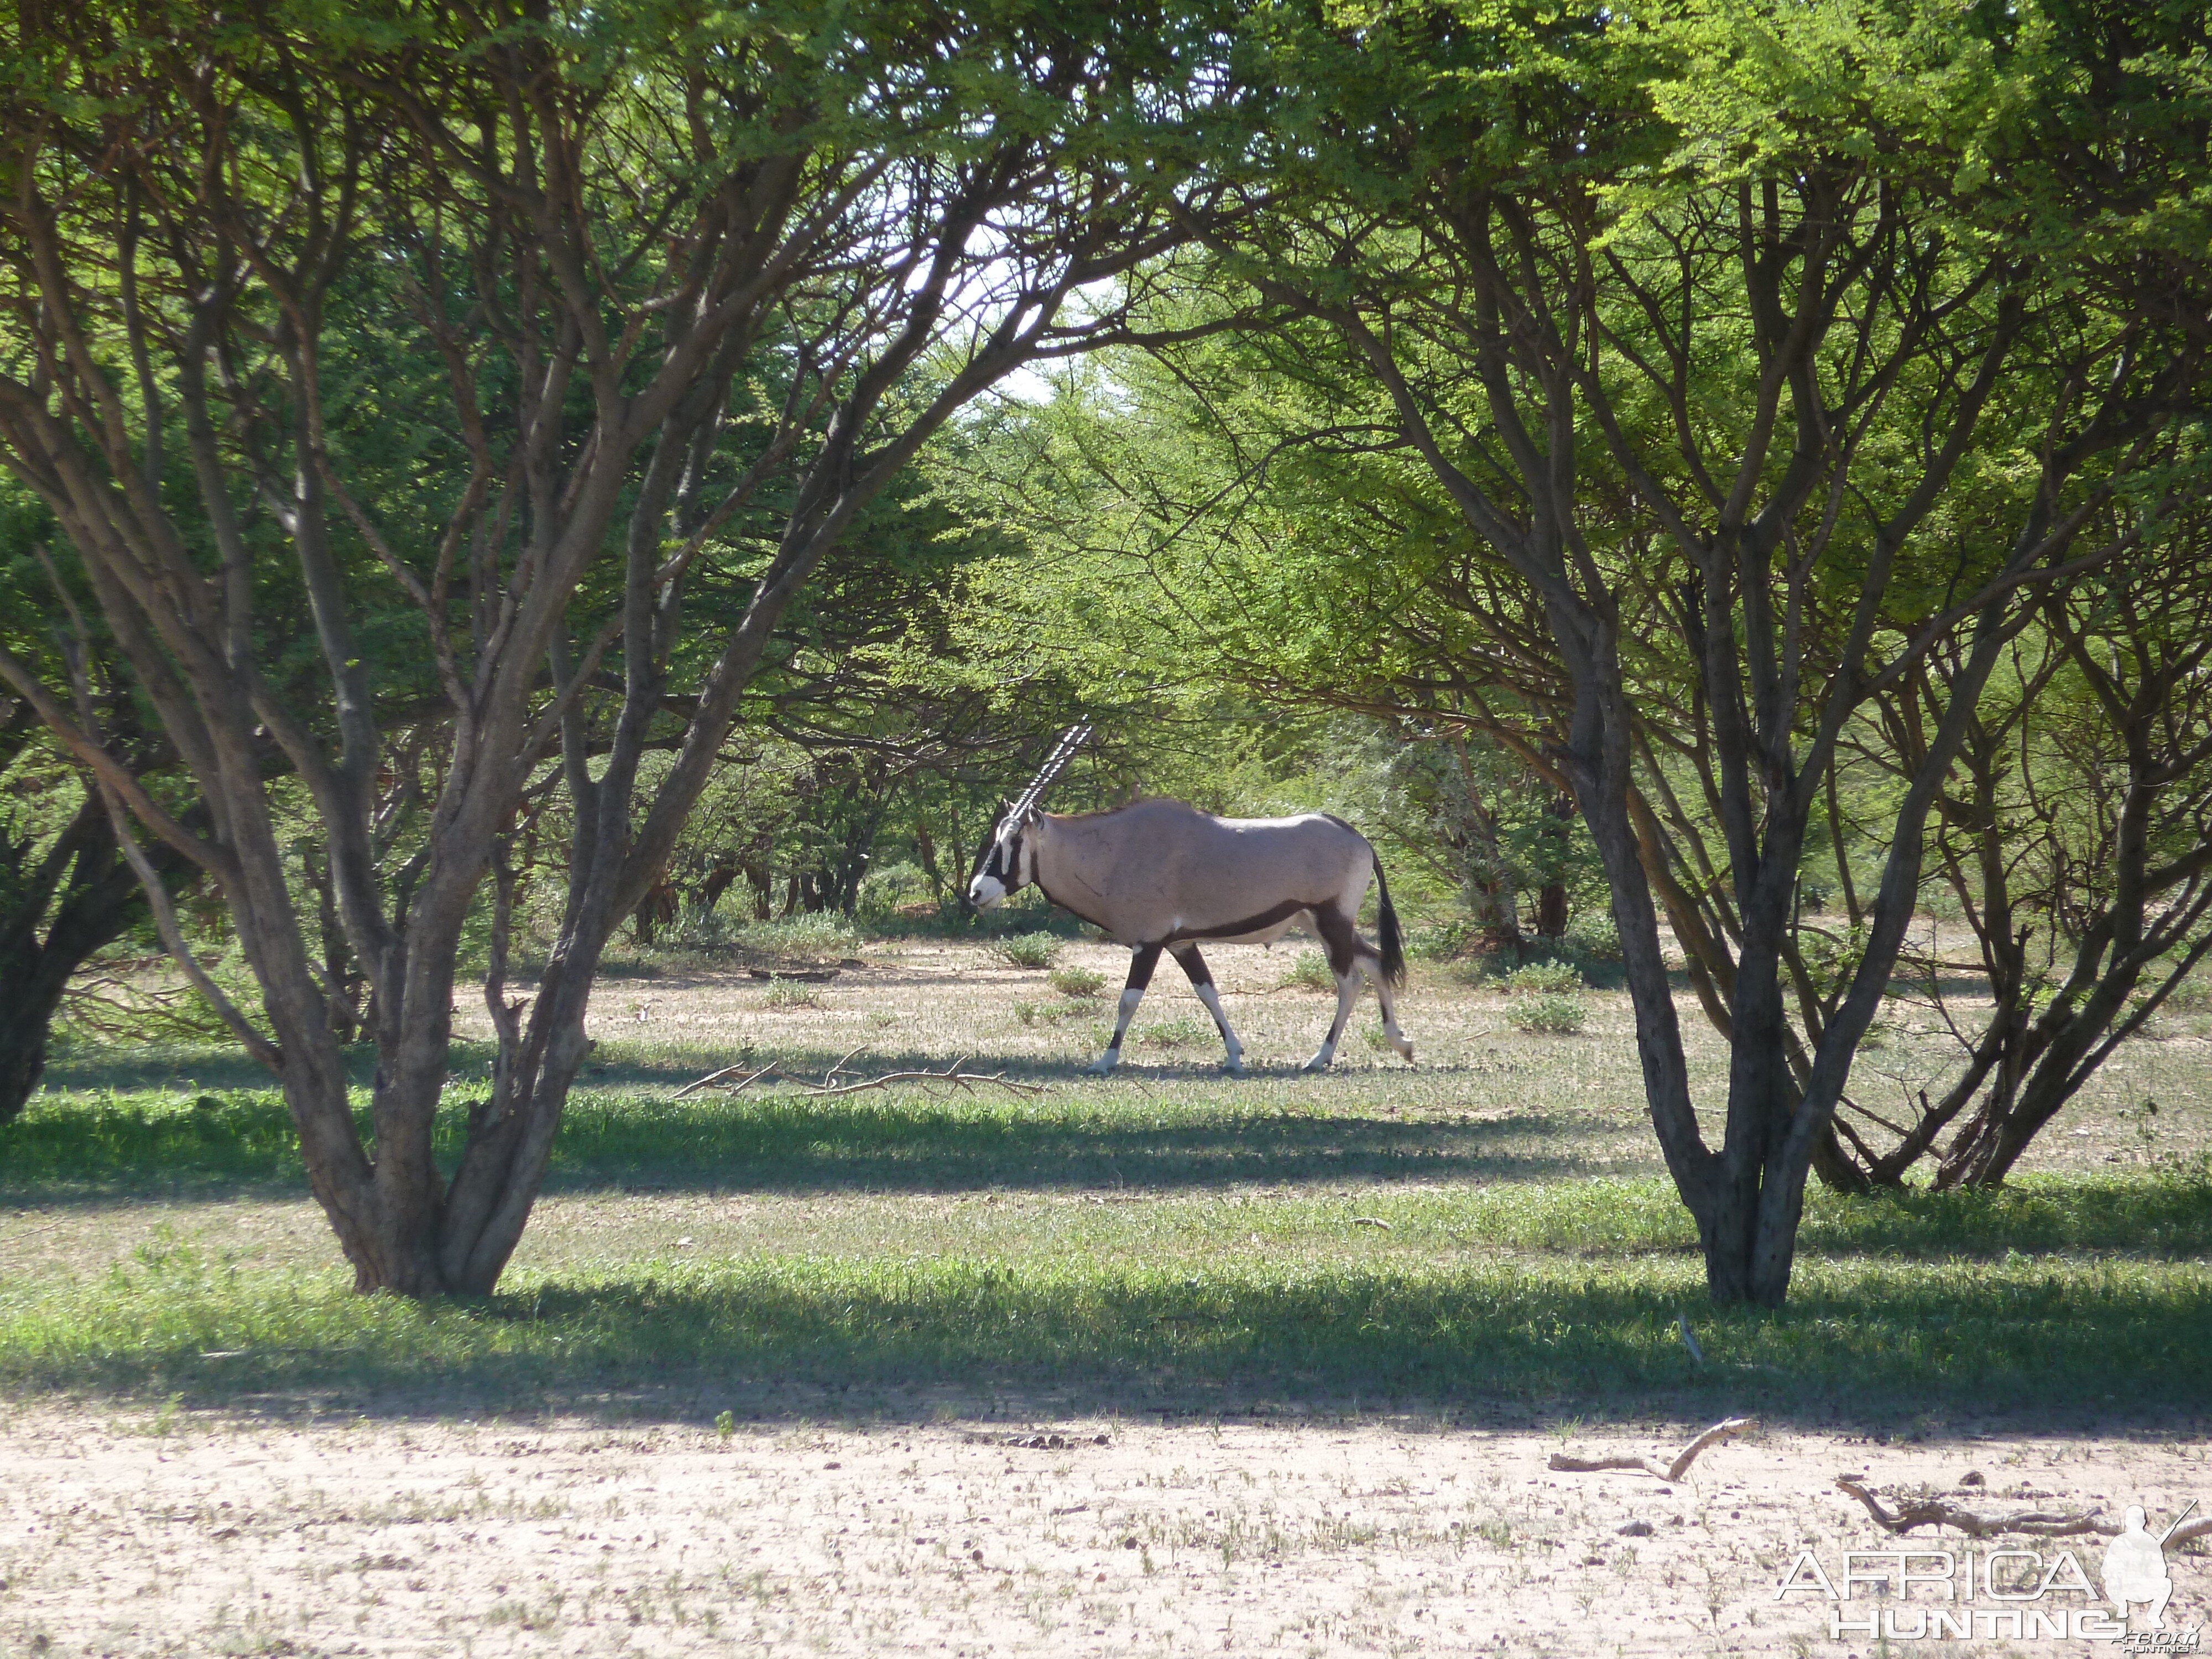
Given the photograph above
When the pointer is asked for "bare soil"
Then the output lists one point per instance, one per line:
(132, 1532)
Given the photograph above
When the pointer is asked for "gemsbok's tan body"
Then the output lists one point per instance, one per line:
(1159, 875)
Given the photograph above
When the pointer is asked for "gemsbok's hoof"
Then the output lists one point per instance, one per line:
(1099, 1067)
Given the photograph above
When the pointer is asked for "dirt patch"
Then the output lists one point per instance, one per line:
(134, 1534)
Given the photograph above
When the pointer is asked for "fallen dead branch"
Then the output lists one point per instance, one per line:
(1728, 1429)
(1928, 1511)
(965, 1082)
(1042, 1442)
(952, 1077)
(714, 1079)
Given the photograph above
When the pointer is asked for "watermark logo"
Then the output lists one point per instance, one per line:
(2135, 1569)
(2004, 1592)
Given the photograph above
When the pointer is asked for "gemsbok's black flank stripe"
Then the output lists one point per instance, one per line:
(1266, 918)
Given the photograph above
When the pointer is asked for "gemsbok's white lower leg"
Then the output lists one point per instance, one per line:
(1348, 993)
(1141, 964)
(1193, 961)
(1106, 1061)
(1230, 1046)
(1398, 1038)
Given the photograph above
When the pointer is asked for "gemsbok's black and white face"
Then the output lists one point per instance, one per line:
(1007, 865)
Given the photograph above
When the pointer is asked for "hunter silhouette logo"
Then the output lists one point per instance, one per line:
(2135, 1567)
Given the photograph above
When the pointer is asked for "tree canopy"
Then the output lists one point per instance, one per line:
(1759, 432)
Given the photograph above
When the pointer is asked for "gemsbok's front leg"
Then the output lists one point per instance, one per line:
(1201, 980)
(1141, 964)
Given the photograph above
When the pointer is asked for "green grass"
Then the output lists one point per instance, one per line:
(116, 1145)
(1989, 1334)
(1202, 1245)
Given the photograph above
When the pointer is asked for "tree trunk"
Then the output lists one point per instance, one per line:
(340, 971)
(28, 1004)
(1551, 902)
(717, 882)
(659, 909)
(925, 850)
(98, 903)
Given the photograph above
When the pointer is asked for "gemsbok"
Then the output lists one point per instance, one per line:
(1158, 875)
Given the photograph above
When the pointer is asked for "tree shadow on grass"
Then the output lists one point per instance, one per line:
(780, 1145)
(871, 1340)
(210, 1145)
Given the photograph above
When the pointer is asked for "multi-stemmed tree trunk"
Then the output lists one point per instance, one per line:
(2076, 835)
(534, 360)
(1714, 419)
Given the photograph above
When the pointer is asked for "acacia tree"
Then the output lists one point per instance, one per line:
(497, 336)
(2075, 834)
(1706, 330)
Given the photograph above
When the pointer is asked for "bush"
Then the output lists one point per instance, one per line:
(1544, 979)
(1173, 1033)
(792, 993)
(810, 933)
(1030, 949)
(1550, 1016)
(1078, 981)
(1309, 972)
(698, 929)
(1447, 941)
(1052, 1014)
(2192, 996)
(885, 892)
(1593, 936)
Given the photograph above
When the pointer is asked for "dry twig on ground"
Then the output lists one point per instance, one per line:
(830, 1089)
(714, 1079)
(1728, 1429)
(1928, 1511)
(963, 1081)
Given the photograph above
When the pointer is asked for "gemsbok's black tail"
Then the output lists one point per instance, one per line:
(1386, 924)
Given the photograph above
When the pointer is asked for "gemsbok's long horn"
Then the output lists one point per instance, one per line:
(1064, 751)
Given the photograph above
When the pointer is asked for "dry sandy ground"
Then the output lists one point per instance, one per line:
(126, 1534)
